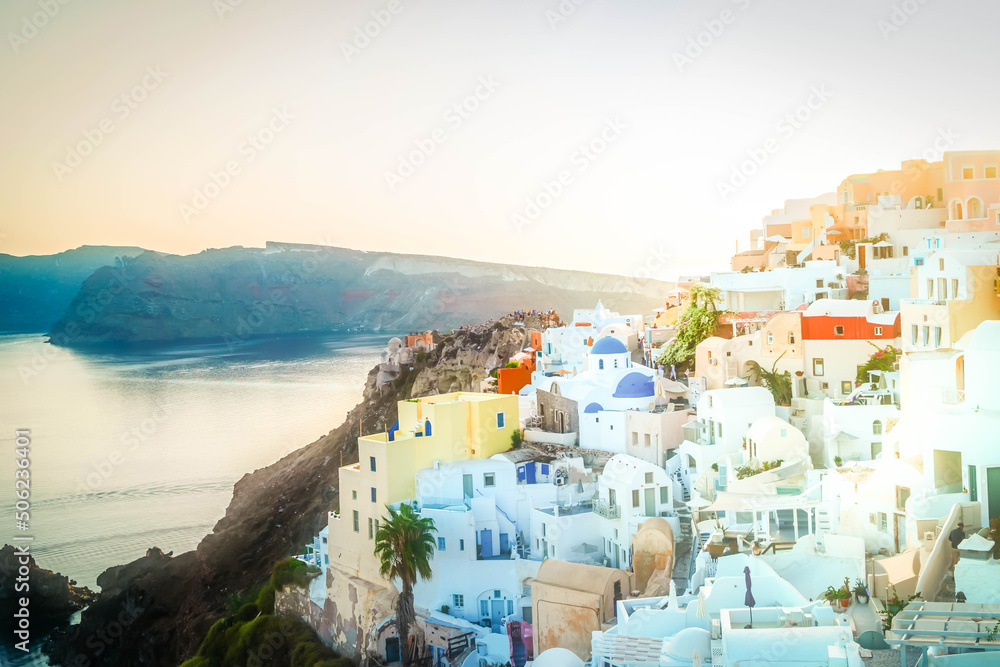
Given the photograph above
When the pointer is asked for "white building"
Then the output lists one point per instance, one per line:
(782, 288)
(724, 417)
(474, 507)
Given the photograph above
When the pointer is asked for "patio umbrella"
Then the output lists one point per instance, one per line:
(702, 609)
(673, 595)
(748, 600)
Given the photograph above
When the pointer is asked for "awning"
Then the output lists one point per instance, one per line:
(843, 436)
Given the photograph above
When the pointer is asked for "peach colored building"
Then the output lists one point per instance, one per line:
(915, 180)
(972, 190)
(420, 342)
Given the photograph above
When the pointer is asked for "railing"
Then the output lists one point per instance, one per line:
(604, 509)
(952, 396)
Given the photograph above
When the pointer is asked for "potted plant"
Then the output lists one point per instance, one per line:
(445, 608)
(860, 592)
(837, 460)
(839, 598)
(715, 467)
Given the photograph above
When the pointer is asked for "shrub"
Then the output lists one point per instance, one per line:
(698, 321)
(516, 438)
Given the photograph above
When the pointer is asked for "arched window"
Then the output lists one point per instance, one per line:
(791, 337)
(770, 338)
(876, 427)
(600, 364)
(975, 208)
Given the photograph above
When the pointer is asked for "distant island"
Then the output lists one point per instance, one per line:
(234, 294)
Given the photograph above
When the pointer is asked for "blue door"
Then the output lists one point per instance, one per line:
(486, 540)
(520, 473)
(496, 615)
(504, 543)
(392, 649)
(529, 471)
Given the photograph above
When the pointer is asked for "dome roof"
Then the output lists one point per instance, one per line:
(592, 408)
(635, 385)
(985, 337)
(558, 657)
(689, 640)
(609, 345)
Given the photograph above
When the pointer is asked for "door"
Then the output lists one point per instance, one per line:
(496, 615)
(973, 484)
(993, 491)
(900, 532)
(862, 260)
(504, 543)
(486, 540)
(650, 501)
(467, 485)
(529, 473)
(392, 649)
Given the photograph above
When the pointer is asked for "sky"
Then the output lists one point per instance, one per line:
(600, 135)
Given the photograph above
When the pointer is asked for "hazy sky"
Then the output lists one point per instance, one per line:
(309, 128)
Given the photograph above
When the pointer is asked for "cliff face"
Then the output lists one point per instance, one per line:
(54, 598)
(236, 293)
(170, 602)
(36, 290)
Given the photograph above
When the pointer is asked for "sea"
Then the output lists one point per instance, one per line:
(140, 447)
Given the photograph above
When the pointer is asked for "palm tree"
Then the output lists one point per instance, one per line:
(405, 546)
(779, 384)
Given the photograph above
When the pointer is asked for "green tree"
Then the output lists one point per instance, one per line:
(779, 384)
(698, 321)
(405, 546)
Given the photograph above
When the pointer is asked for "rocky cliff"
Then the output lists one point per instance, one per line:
(54, 598)
(36, 290)
(169, 602)
(237, 293)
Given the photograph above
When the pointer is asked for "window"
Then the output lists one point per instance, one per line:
(635, 438)
(883, 520)
(885, 304)
(461, 545)
(927, 336)
(664, 495)
(489, 479)
(635, 497)
(459, 600)
(941, 263)
(937, 336)
(354, 495)
(991, 172)
(372, 463)
(501, 419)
(770, 338)
(600, 364)
(876, 427)
(940, 194)
(510, 607)
(878, 331)
(818, 367)
(791, 337)
(648, 478)
(968, 173)
(919, 261)
(374, 495)
(484, 607)
(806, 232)
(440, 544)
(954, 288)
(371, 528)
(906, 250)
(356, 520)
(496, 594)
(647, 441)
(612, 497)
(819, 283)
(902, 494)
(838, 330)
(914, 328)
(846, 387)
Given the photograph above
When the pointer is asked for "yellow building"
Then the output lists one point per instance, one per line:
(443, 428)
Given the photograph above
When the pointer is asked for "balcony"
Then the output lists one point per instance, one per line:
(604, 509)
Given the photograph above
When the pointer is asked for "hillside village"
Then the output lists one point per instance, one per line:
(796, 461)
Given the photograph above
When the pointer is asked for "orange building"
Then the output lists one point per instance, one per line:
(420, 342)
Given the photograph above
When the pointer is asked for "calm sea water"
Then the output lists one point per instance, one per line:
(137, 449)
